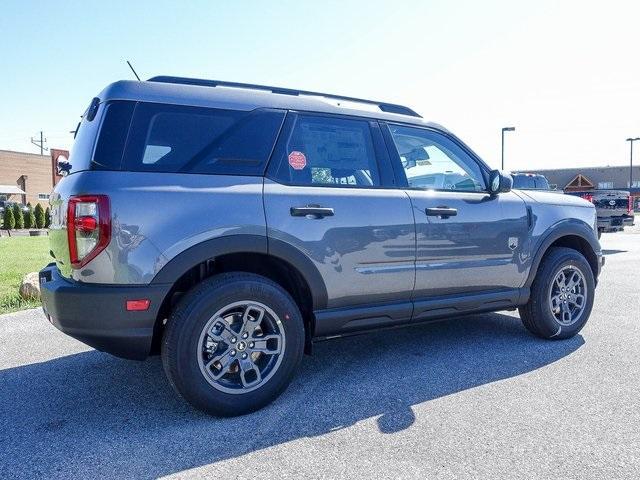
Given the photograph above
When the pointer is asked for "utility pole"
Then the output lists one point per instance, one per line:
(40, 143)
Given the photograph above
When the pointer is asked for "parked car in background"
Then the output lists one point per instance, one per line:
(228, 228)
(614, 208)
(530, 181)
(6, 203)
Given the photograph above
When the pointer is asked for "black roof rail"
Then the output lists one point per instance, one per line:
(384, 106)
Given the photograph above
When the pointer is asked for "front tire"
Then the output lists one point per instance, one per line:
(562, 295)
(233, 344)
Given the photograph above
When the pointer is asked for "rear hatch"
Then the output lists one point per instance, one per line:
(79, 161)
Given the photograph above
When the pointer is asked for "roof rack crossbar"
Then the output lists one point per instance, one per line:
(384, 106)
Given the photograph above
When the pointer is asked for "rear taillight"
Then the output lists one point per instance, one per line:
(88, 227)
(588, 197)
(630, 205)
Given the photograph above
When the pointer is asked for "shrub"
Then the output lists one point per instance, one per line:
(47, 218)
(29, 217)
(8, 220)
(39, 214)
(18, 215)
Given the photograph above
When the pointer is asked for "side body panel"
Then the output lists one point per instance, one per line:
(364, 252)
(482, 248)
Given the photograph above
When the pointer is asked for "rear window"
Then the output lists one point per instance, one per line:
(80, 155)
(542, 184)
(181, 139)
(525, 182)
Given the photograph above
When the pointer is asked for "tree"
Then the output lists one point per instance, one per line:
(47, 218)
(18, 215)
(39, 214)
(29, 217)
(8, 220)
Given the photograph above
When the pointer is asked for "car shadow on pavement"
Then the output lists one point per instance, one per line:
(91, 414)
(613, 252)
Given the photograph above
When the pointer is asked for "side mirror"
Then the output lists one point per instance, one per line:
(499, 182)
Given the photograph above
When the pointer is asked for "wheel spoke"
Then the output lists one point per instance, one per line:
(577, 300)
(221, 331)
(261, 344)
(225, 360)
(574, 280)
(247, 366)
(251, 319)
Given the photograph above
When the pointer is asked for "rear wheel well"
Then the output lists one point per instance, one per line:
(581, 245)
(273, 268)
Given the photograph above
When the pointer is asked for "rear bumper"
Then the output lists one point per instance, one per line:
(614, 224)
(97, 316)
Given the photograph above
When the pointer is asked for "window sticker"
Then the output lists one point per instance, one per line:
(297, 160)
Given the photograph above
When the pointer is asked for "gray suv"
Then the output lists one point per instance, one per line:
(229, 226)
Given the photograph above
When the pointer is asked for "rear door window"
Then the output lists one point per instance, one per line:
(327, 151)
(184, 139)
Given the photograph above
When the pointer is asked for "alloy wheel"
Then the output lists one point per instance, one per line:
(568, 295)
(241, 347)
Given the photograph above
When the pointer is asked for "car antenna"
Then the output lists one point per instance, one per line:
(133, 70)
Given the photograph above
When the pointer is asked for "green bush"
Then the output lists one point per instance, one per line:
(47, 218)
(29, 217)
(8, 220)
(18, 215)
(39, 214)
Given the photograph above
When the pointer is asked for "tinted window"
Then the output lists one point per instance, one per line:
(173, 138)
(328, 151)
(524, 182)
(113, 135)
(542, 184)
(82, 149)
(432, 161)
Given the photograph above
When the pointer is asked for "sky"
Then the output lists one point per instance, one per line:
(566, 74)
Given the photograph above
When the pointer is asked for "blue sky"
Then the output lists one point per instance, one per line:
(566, 74)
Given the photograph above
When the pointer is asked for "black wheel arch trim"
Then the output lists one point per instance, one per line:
(559, 230)
(246, 243)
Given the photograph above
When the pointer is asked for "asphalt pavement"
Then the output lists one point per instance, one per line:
(474, 397)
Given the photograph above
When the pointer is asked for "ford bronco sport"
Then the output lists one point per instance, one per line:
(228, 226)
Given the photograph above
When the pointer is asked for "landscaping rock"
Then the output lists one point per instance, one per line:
(30, 286)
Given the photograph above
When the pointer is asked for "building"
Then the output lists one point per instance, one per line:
(28, 177)
(594, 178)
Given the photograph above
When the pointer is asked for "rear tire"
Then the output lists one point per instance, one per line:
(558, 308)
(233, 344)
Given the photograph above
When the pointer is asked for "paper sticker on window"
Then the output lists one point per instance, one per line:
(297, 160)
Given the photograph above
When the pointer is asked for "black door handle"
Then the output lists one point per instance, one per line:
(444, 212)
(312, 211)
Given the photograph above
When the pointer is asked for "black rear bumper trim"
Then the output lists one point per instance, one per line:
(96, 314)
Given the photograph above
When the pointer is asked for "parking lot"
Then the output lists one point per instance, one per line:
(472, 397)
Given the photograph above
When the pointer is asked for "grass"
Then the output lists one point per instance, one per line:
(18, 256)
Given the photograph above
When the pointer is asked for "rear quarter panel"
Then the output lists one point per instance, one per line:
(156, 216)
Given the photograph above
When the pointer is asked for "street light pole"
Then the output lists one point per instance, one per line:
(505, 129)
(631, 140)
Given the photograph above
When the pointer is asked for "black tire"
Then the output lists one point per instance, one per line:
(181, 342)
(536, 315)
